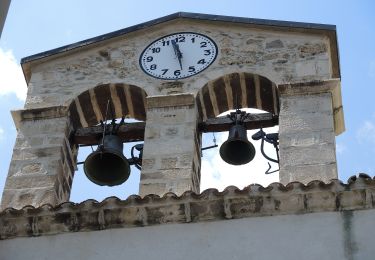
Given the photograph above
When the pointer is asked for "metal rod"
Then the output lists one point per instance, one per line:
(209, 147)
(105, 123)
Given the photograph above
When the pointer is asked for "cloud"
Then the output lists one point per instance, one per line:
(215, 173)
(366, 132)
(340, 148)
(11, 77)
(2, 133)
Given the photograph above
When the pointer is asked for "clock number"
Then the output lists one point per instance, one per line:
(203, 44)
(177, 72)
(191, 68)
(149, 58)
(156, 50)
(165, 43)
(202, 61)
(193, 40)
(153, 67)
(164, 71)
(207, 52)
(180, 39)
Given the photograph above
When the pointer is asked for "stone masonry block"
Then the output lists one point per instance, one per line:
(54, 140)
(33, 153)
(170, 100)
(151, 177)
(306, 104)
(27, 181)
(307, 138)
(23, 154)
(306, 173)
(171, 131)
(33, 141)
(169, 162)
(166, 175)
(185, 160)
(305, 122)
(170, 115)
(33, 168)
(152, 188)
(317, 154)
(181, 146)
(180, 186)
(35, 196)
(152, 132)
(47, 126)
(177, 174)
(148, 164)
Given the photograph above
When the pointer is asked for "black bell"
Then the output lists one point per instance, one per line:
(237, 150)
(107, 166)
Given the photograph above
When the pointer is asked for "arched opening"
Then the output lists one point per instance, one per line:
(254, 94)
(105, 104)
(90, 106)
(244, 90)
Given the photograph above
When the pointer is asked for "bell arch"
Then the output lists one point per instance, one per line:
(89, 107)
(85, 112)
(228, 92)
(240, 89)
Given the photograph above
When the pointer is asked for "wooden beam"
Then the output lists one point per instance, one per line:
(132, 132)
(253, 121)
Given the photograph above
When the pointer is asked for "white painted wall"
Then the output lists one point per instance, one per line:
(333, 235)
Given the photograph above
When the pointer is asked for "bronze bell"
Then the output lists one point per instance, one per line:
(107, 165)
(237, 150)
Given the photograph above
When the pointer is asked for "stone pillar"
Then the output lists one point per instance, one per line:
(42, 165)
(171, 156)
(310, 115)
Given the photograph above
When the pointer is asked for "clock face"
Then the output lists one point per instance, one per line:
(178, 55)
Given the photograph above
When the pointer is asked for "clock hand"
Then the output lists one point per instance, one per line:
(178, 53)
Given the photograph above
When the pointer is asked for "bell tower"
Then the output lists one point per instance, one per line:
(175, 75)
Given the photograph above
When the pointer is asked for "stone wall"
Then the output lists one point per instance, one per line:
(280, 56)
(334, 235)
(171, 158)
(43, 161)
(297, 221)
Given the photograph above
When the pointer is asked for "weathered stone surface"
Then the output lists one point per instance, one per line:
(232, 203)
(306, 132)
(64, 90)
(306, 173)
(307, 138)
(258, 51)
(173, 150)
(42, 161)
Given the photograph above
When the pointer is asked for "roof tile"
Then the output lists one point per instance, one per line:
(252, 201)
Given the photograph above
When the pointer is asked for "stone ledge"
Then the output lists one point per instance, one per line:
(332, 86)
(38, 114)
(170, 101)
(211, 205)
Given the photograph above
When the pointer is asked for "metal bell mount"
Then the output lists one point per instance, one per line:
(237, 149)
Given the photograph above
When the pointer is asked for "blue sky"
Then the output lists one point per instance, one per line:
(33, 26)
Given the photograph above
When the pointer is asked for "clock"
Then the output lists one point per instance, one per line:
(177, 56)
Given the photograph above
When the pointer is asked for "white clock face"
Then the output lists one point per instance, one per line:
(178, 55)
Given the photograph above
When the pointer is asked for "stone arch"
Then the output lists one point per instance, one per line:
(251, 90)
(88, 108)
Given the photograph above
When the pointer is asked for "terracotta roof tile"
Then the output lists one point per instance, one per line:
(253, 201)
